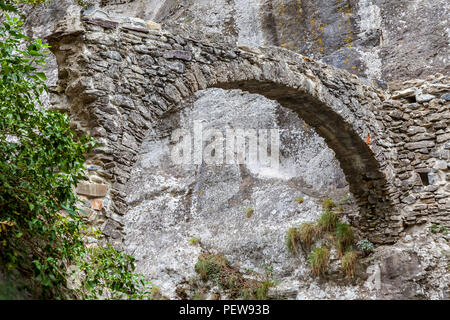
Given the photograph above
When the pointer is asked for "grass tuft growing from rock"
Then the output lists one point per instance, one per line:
(333, 233)
(327, 222)
(348, 263)
(344, 238)
(216, 268)
(319, 259)
(328, 204)
(292, 238)
(365, 246)
(307, 234)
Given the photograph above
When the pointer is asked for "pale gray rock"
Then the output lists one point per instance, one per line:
(170, 204)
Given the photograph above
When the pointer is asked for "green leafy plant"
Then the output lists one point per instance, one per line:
(434, 228)
(109, 274)
(10, 5)
(365, 246)
(299, 200)
(41, 230)
(319, 259)
(194, 241)
(41, 160)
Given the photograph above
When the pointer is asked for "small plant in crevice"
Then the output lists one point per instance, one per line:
(258, 293)
(345, 199)
(268, 269)
(210, 264)
(327, 221)
(319, 259)
(365, 246)
(292, 238)
(328, 204)
(434, 228)
(194, 241)
(300, 200)
(348, 263)
(84, 4)
(249, 212)
(443, 229)
(344, 238)
(265, 282)
(439, 229)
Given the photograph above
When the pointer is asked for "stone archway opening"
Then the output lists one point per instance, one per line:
(121, 79)
(171, 204)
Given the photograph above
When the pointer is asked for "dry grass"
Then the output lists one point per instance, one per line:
(327, 222)
(292, 238)
(308, 233)
(344, 238)
(319, 259)
(348, 263)
(328, 204)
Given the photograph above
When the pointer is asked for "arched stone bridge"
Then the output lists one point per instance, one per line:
(116, 76)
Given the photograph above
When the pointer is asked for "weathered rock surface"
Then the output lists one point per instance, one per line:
(378, 39)
(169, 205)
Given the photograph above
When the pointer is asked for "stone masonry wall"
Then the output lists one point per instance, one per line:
(418, 114)
(117, 76)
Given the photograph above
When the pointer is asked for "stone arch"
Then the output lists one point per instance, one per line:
(334, 103)
(115, 98)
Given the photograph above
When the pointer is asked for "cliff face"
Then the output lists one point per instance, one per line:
(377, 40)
(380, 39)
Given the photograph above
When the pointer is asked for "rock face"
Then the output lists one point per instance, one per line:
(125, 84)
(378, 39)
(168, 205)
(375, 39)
